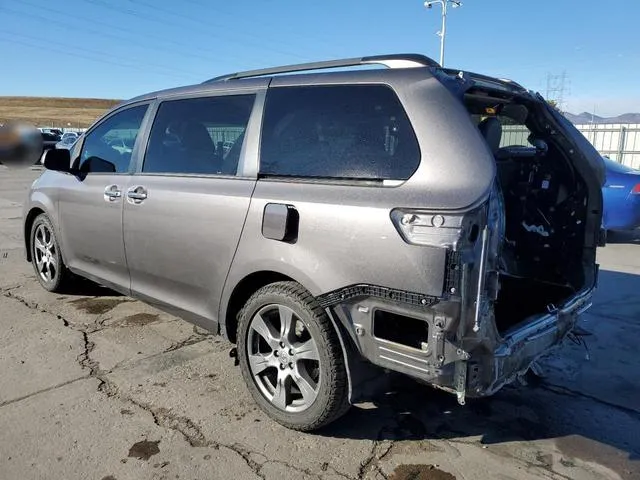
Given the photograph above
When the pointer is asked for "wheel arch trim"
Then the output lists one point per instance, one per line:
(253, 277)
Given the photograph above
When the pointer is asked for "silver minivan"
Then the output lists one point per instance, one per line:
(430, 221)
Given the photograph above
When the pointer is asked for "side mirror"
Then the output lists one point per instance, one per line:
(57, 159)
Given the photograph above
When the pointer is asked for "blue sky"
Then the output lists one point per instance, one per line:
(121, 48)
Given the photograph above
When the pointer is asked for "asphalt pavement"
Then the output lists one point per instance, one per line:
(98, 386)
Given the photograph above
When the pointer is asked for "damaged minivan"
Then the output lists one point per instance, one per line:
(429, 221)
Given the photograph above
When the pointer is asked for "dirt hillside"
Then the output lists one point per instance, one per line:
(54, 111)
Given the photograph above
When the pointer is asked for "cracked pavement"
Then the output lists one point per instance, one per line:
(96, 385)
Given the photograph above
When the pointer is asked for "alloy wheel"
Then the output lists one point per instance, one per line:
(45, 252)
(283, 358)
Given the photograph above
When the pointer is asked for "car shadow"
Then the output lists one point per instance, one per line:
(626, 237)
(82, 287)
(414, 412)
(574, 401)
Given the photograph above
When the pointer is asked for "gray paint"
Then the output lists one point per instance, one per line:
(92, 247)
(180, 241)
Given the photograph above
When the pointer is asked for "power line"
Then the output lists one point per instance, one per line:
(209, 24)
(206, 31)
(307, 35)
(75, 47)
(190, 48)
(47, 46)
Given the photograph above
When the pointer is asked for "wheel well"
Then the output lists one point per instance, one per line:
(31, 216)
(247, 287)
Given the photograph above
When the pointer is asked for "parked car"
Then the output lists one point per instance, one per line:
(53, 131)
(621, 195)
(67, 142)
(49, 140)
(70, 135)
(363, 218)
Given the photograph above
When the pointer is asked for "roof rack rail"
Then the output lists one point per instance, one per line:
(399, 60)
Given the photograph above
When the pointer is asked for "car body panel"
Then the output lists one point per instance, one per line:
(93, 248)
(622, 207)
(331, 252)
(180, 240)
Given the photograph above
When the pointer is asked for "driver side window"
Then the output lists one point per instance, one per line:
(109, 146)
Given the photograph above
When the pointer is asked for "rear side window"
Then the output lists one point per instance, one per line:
(198, 135)
(342, 132)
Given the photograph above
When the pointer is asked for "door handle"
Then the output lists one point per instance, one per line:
(112, 192)
(137, 194)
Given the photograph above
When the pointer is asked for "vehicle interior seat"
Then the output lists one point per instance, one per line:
(199, 150)
(491, 130)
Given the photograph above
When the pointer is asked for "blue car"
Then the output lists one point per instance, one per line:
(621, 195)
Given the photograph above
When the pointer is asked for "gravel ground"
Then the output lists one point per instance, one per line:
(99, 386)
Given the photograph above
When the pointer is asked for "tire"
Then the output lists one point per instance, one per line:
(46, 257)
(287, 382)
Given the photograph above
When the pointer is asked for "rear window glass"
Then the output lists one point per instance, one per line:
(342, 132)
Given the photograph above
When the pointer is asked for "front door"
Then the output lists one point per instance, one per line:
(91, 202)
(185, 209)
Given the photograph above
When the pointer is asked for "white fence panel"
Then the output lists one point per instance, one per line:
(618, 141)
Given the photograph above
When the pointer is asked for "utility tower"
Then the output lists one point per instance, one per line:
(557, 88)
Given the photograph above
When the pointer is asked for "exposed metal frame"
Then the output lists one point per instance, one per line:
(504, 83)
(401, 60)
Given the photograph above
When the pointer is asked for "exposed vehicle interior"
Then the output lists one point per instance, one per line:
(544, 202)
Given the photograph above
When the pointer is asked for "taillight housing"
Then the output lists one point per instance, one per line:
(636, 189)
(435, 229)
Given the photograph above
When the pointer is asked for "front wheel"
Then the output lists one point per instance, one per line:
(290, 357)
(47, 258)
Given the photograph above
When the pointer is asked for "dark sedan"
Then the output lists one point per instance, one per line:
(49, 140)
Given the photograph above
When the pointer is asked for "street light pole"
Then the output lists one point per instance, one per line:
(443, 31)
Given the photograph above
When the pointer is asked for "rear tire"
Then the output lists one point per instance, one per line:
(291, 358)
(46, 257)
